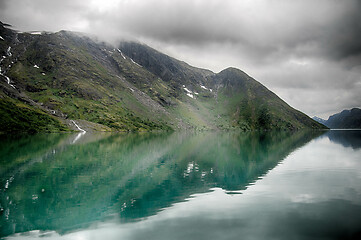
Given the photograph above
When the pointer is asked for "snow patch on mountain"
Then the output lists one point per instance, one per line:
(135, 62)
(121, 53)
(189, 92)
(7, 80)
(190, 95)
(77, 126)
(8, 52)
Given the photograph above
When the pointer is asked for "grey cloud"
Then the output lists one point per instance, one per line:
(260, 30)
(42, 14)
(344, 38)
(325, 28)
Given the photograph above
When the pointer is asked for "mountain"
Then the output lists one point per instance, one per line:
(320, 120)
(67, 80)
(347, 119)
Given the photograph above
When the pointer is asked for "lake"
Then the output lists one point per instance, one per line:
(209, 185)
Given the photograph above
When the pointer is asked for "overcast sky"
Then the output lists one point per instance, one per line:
(308, 52)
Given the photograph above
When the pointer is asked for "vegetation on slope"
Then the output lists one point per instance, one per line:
(62, 72)
(251, 105)
(18, 117)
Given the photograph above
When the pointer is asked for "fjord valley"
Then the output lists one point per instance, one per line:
(159, 120)
(68, 81)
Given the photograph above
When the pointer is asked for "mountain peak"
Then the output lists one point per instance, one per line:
(233, 70)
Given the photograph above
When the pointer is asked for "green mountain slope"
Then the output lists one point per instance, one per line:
(68, 76)
(229, 99)
(250, 105)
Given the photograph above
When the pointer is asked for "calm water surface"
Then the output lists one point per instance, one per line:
(279, 185)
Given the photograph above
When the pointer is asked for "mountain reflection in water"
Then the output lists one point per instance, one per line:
(60, 186)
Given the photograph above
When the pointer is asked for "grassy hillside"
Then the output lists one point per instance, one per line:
(18, 117)
(74, 78)
(250, 105)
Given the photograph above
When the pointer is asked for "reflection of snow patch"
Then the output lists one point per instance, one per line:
(82, 132)
(78, 137)
(190, 167)
(7, 213)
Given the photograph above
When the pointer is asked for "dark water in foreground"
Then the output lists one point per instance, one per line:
(285, 185)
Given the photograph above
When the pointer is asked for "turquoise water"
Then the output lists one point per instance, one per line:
(221, 185)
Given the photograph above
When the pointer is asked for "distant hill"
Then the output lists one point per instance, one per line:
(347, 119)
(320, 120)
(66, 80)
